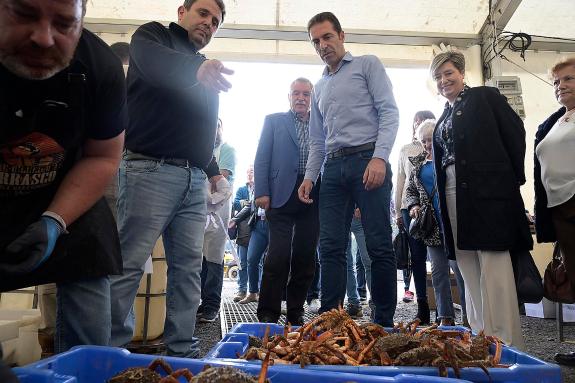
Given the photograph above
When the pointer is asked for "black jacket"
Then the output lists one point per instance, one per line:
(489, 141)
(543, 223)
(171, 114)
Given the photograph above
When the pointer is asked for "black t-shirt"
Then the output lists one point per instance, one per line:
(43, 125)
(171, 114)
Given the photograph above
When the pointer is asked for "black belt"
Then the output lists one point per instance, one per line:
(133, 156)
(342, 152)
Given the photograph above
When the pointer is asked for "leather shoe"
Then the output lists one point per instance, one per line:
(239, 296)
(251, 297)
(266, 318)
(297, 321)
(567, 359)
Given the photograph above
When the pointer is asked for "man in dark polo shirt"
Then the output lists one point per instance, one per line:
(173, 110)
(62, 118)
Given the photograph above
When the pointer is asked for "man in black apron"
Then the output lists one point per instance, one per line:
(62, 117)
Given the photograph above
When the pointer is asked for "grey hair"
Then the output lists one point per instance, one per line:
(455, 57)
(425, 128)
(302, 79)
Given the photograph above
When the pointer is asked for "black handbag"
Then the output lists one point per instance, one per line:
(401, 250)
(528, 281)
(422, 226)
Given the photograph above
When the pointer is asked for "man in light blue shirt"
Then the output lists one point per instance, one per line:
(353, 124)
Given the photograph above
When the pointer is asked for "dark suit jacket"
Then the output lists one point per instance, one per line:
(277, 157)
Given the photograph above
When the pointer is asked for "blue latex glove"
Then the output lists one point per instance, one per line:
(27, 252)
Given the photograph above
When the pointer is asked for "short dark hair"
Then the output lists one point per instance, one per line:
(324, 16)
(220, 3)
(122, 50)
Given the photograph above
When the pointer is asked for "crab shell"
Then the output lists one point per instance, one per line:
(224, 375)
(136, 375)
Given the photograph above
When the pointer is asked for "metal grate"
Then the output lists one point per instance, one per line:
(232, 313)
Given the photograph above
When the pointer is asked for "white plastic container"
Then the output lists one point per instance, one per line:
(19, 335)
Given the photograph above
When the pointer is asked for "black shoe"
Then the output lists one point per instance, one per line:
(423, 311)
(208, 317)
(567, 359)
(354, 311)
(297, 321)
(267, 318)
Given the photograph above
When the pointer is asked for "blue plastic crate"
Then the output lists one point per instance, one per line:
(93, 364)
(525, 368)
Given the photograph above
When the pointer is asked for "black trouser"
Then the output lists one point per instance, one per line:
(294, 233)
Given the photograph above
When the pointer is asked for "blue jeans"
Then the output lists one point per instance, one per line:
(314, 289)
(359, 235)
(418, 252)
(83, 314)
(243, 273)
(341, 190)
(256, 249)
(212, 282)
(351, 286)
(441, 282)
(159, 199)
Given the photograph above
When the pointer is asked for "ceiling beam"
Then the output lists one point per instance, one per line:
(501, 12)
(127, 27)
(499, 15)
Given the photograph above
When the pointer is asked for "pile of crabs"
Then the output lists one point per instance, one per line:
(209, 374)
(334, 338)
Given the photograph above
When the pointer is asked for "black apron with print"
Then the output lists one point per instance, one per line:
(42, 130)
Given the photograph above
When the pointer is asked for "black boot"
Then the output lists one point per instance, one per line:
(423, 311)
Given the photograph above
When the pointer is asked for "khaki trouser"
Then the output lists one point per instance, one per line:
(490, 294)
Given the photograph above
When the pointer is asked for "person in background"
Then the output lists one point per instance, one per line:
(416, 247)
(62, 119)
(257, 247)
(478, 155)
(312, 298)
(357, 254)
(353, 124)
(216, 233)
(293, 225)
(173, 107)
(122, 50)
(421, 192)
(244, 198)
(555, 175)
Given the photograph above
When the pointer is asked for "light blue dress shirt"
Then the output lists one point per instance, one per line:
(352, 106)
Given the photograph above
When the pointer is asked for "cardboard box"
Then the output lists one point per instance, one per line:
(431, 293)
(546, 309)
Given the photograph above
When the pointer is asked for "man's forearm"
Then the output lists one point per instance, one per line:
(83, 186)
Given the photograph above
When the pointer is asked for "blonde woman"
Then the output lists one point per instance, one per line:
(478, 154)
